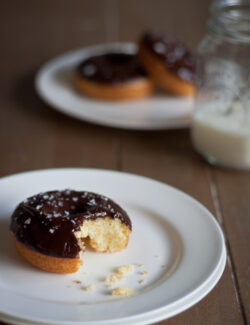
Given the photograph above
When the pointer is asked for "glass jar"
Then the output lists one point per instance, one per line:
(221, 120)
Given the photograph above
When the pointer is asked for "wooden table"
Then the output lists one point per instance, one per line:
(33, 136)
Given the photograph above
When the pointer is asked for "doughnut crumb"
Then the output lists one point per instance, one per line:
(77, 281)
(122, 291)
(125, 269)
(91, 287)
(112, 279)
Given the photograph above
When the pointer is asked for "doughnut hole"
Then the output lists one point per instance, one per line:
(105, 235)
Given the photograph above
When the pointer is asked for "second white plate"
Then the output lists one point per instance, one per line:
(54, 83)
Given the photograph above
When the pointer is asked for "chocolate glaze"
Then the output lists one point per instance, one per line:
(173, 53)
(46, 222)
(111, 68)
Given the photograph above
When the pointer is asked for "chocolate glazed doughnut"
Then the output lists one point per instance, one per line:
(113, 76)
(50, 229)
(168, 63)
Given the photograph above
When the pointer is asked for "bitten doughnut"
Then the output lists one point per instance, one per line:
(112, 76)
(51, 229)
(168, 63)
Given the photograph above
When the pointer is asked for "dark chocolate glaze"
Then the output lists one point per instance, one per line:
(173, 53)
(111, 68)
(46, 222)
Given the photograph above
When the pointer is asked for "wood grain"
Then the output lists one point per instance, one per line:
(38, 137)
(185, 20)
(233, 195)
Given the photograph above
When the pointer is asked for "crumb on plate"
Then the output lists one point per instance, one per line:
(122, 291)
(113, 278)
(90, 287)
(125, 269)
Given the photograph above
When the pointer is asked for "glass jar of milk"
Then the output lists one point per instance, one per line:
(221, 121)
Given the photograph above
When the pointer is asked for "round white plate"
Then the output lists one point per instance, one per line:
(170, 229)
(54, 83)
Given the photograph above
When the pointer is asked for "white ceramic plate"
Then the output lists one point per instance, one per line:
(54, 83)
(169, 228)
